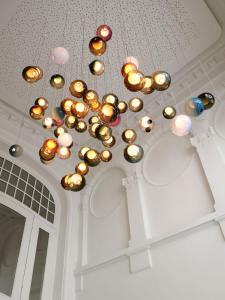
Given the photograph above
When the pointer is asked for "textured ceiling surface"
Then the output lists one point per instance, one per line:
(162, 34)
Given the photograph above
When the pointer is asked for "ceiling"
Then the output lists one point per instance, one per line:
(161, 34)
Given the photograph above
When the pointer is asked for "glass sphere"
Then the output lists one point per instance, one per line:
(48, 123)
(105, 155)
(59, 130)
(133, 153)
(110, 142)
(77, 88)
(103, 132)
(122, 106)
(181, 125)
(15, 150)
(57, 114)
(58, 122)
(91, 99)
(57, 81)
(97, 46)
(76, 182)
(169, 112)
(92, 129)
(82, 152)
(94, 119)
(82, 168)
(146, 124)
(148, 85)
(135, 104)
(66, 105)
(63, 152)
(64, 182)
(70, 121)
(97, 67)
(79, 109)
(128, 67)
(104, 32)
(110, 98)
(92, 158)
(116, 122)
(194, 107)
(32, 74)
(42, 102)
(108, 113)
(36, 112)
(208, 100)
(129, 136)
(161, 80)
(60, 55)
(50, 146)
(134, 81)
(65, 139)
(45, 155)
(81, 126)
(131, 59)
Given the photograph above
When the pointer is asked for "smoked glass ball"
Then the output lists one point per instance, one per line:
(148, 85)
(36, 112)
(169, 112)
(79, 109)
(92, 129)
(64, 182)
(97, 46)
(161, 80)
(133, 153)
(94, 119)
(77, 88)
(110, 98)
(70, 121)
(65, 139)
(108, 113)
(105, 155)
(66, 105)
(103, 132)
(42, 102)
(82, 168)
(122, 106)
(104, 32)
(81, 126)
(207, 99)
(59, 130)
(131, 59)
(194, 107)
(92, 158)
(63, 152)
(60, 55)
(110, 142)
(134, 81)
(76, 182)
(82, 152)
(50, 146)
(135, 104)
(48, 123)
(57, 81)
(146, 124)
(15, 150)
(128, 67)
(97, 67)
(129, 136)
(32, 74)
(181, 125)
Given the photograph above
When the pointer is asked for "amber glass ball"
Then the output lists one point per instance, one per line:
(66, 105)
(81, 126)
(92, 129)
(133, 153)
(64, 182)
(94, 119)
(129, 136)
(104, 32)
(46, 155)
(77, 88)
(76, 182)
(32, 74)
(169, 112)
(108, 113)
(135, 104)
(92, 158)
(97, 46)
(122, 106)
(148, 85)
(42, 102)
(59, 130)
(50, 146)
(79, 109)
(106, 155)
(36, 112)
(134, 81)
(161, 80)
(57, 81)
(82, 168)
(91, 99)
(97, 67)
(128, 67)
(70, 121)
(82, 152)
(103, 132)
(110, 142)
(110, 98)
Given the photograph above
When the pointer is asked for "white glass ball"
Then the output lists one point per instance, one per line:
(65, 139)
(60, 55)
(181, 125)
(131, 59)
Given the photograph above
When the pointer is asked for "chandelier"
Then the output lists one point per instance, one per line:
(103, 115)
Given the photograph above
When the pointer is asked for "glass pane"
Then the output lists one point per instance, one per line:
(39, 266)
(11, 233)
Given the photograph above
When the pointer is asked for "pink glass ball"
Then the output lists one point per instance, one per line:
(104, 32)
(60, 55)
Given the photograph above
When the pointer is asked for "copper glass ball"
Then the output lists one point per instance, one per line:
(36, 112)
(66, 105)
(82, 168)
(134, 81)
(128, 67)
(92, 158)
(103, 132)
(79, 109)
(110, 98)
(15, 150)
(63, 152)
(97, 46)
(42, 102)
(169, 112)
(77, 88)
(148, 85)
(82, 152)
(76, 182)
(91, 99)
(48, 123)
(161, 80)
(81, 126)
(207, 99)
(146, 124)
(94, 119)
(129, 136)
(59, 130)
(105, 155)
(122, 106)
(57, 81)
(50, 145)
(135, 104)
(92, 129)
(46, 155)
(32, 74)
(104, 32)
(70, 121)
(110, 142)
(97, 67)
(133, 153)
(108, 113)
(64, 182)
